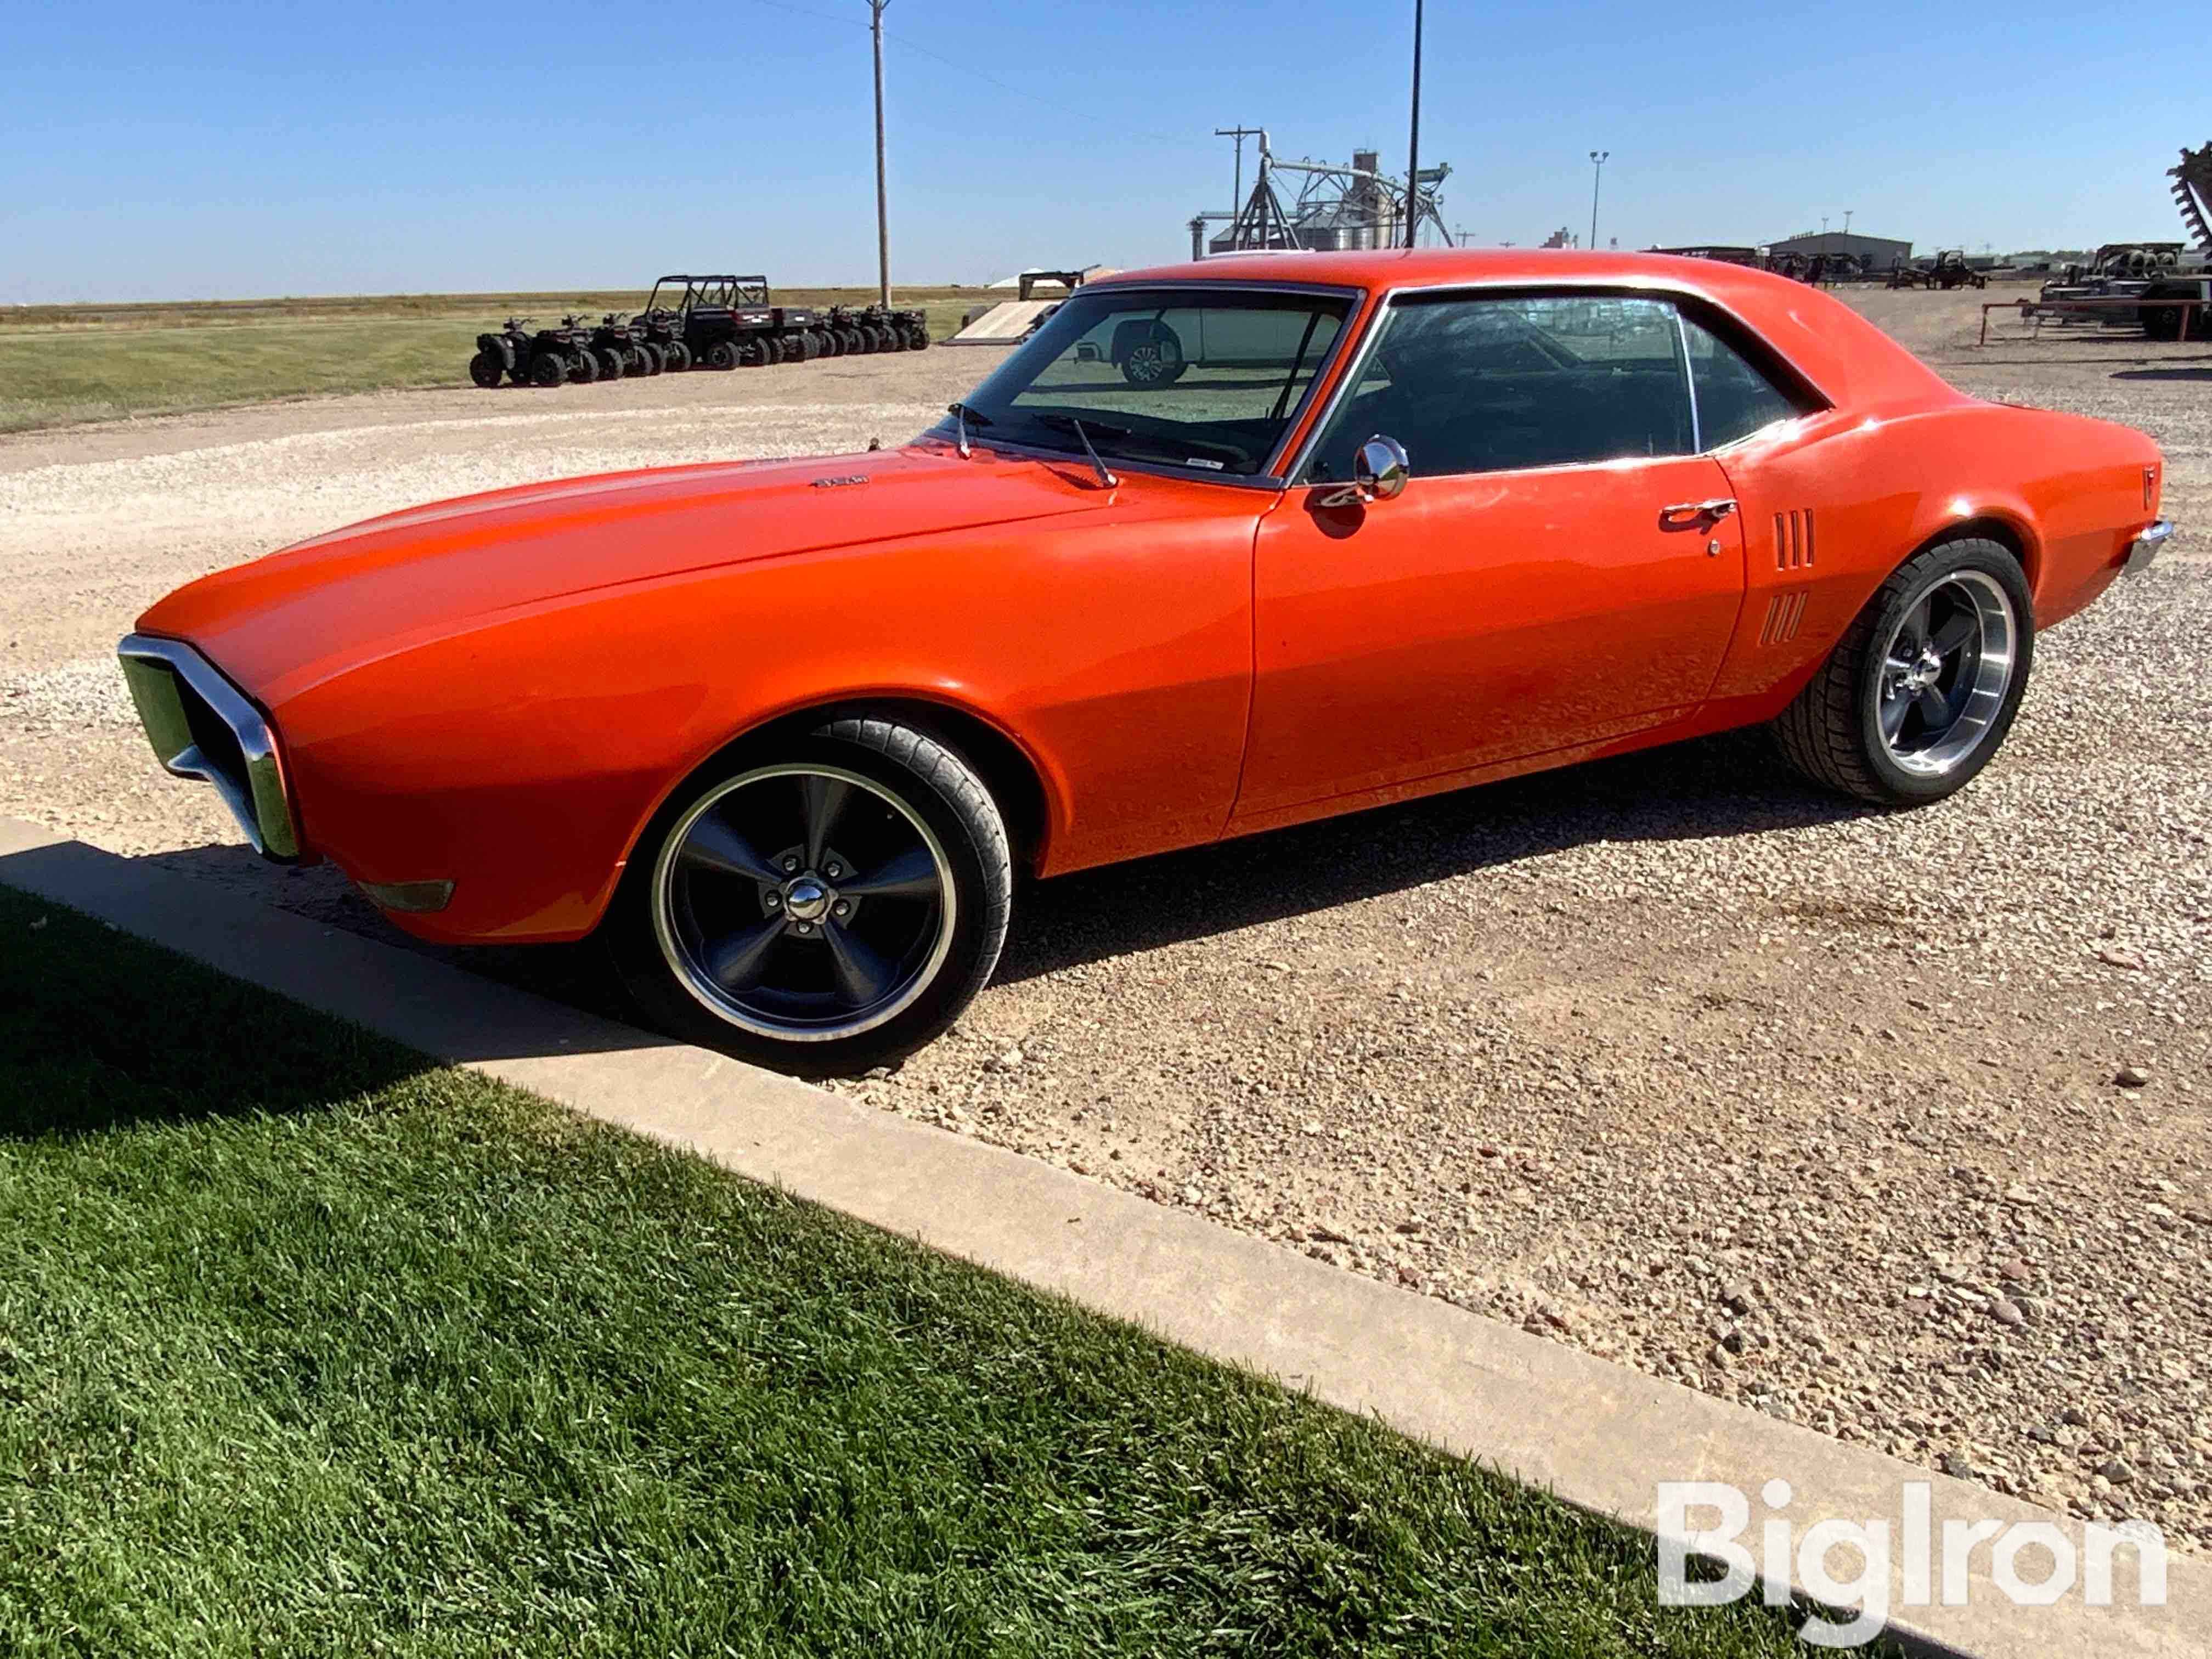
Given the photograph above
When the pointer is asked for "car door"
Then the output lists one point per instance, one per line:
(1560, 569)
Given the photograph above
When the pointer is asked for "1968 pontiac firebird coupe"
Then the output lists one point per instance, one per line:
(1222, 547)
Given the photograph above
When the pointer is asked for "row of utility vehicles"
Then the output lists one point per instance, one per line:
(690, 322)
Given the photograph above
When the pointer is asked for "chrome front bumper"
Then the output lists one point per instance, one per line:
(2145, 547)
(200, 727)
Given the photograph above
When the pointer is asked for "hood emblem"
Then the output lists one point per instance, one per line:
(840, 482)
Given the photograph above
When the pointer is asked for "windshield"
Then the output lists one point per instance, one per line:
(1204, 377)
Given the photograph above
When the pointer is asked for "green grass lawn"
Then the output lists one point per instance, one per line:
(309, 1346)
(61, 364)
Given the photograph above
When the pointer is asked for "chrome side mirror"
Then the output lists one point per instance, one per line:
(1381, 468)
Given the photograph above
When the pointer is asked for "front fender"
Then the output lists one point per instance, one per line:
(523, 756)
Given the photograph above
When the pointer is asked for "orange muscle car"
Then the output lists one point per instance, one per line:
(1222, 547)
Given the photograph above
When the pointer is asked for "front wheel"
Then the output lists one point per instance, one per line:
(821, 904)
(486, 368)
(1919, 693)
(677, 357)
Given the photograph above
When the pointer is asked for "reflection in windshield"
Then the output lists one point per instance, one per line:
(1204, 377)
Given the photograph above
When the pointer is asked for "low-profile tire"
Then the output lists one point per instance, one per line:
(548, 368)
(1917, 696)
(820, 903)
(486, 368)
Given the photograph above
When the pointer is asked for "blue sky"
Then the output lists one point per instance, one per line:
(159, 151)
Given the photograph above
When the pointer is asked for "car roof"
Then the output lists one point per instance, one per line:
(1847, 358)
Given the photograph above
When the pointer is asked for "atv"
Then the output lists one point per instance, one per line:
(551, 356)
(662, 330)
(621, 349)
(506, 354)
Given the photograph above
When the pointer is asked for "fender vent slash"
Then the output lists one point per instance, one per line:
(1793, 539)
(1783, 612)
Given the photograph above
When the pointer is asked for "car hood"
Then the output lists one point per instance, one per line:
(286, 622)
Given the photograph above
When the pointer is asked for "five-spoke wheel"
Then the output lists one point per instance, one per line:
(804, 901)
(1945, 671)
(1919, 693)
(832, 902)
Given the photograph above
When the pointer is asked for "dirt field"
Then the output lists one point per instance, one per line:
(1666, 1057)
(64, 365)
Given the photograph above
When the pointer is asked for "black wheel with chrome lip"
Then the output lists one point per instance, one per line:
(823, 904)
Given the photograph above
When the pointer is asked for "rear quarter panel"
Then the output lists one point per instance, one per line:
(1835, 502)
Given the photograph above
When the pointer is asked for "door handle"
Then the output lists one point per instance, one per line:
(1697, 512)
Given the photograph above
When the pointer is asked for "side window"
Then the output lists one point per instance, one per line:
(1733, 398)
(1498, 385)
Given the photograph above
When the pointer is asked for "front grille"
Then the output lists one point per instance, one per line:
(202, 727)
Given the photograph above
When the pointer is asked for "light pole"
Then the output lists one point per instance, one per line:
(1847, 220)
(882, 203)
(1597, 174)
(1413, 140)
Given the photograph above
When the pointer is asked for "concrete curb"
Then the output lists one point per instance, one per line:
(1597, 1434)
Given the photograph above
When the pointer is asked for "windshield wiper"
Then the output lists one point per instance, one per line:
(1105, 477)
(963, 414)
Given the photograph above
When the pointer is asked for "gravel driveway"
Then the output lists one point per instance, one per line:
(1891, 1125)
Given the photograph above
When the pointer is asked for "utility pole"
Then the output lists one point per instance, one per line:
(1413, 142)
(1240, 134)
(1598, 158)
(883, 201)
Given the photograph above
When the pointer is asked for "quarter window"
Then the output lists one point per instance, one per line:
(1733, 398)
(1495, 384)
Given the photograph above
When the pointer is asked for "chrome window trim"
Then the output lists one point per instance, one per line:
(1689, 379)
(1272, 476)
(1630, 287)
(261, 800)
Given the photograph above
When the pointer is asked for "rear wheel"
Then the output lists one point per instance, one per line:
(548, 368)
(679, 356)
(486, 368)
(1919, 693)
(917, 339)
(850, 341)
(583, 367)
(642, 360)
(824, 903)
(612, 363)
(723, 354)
